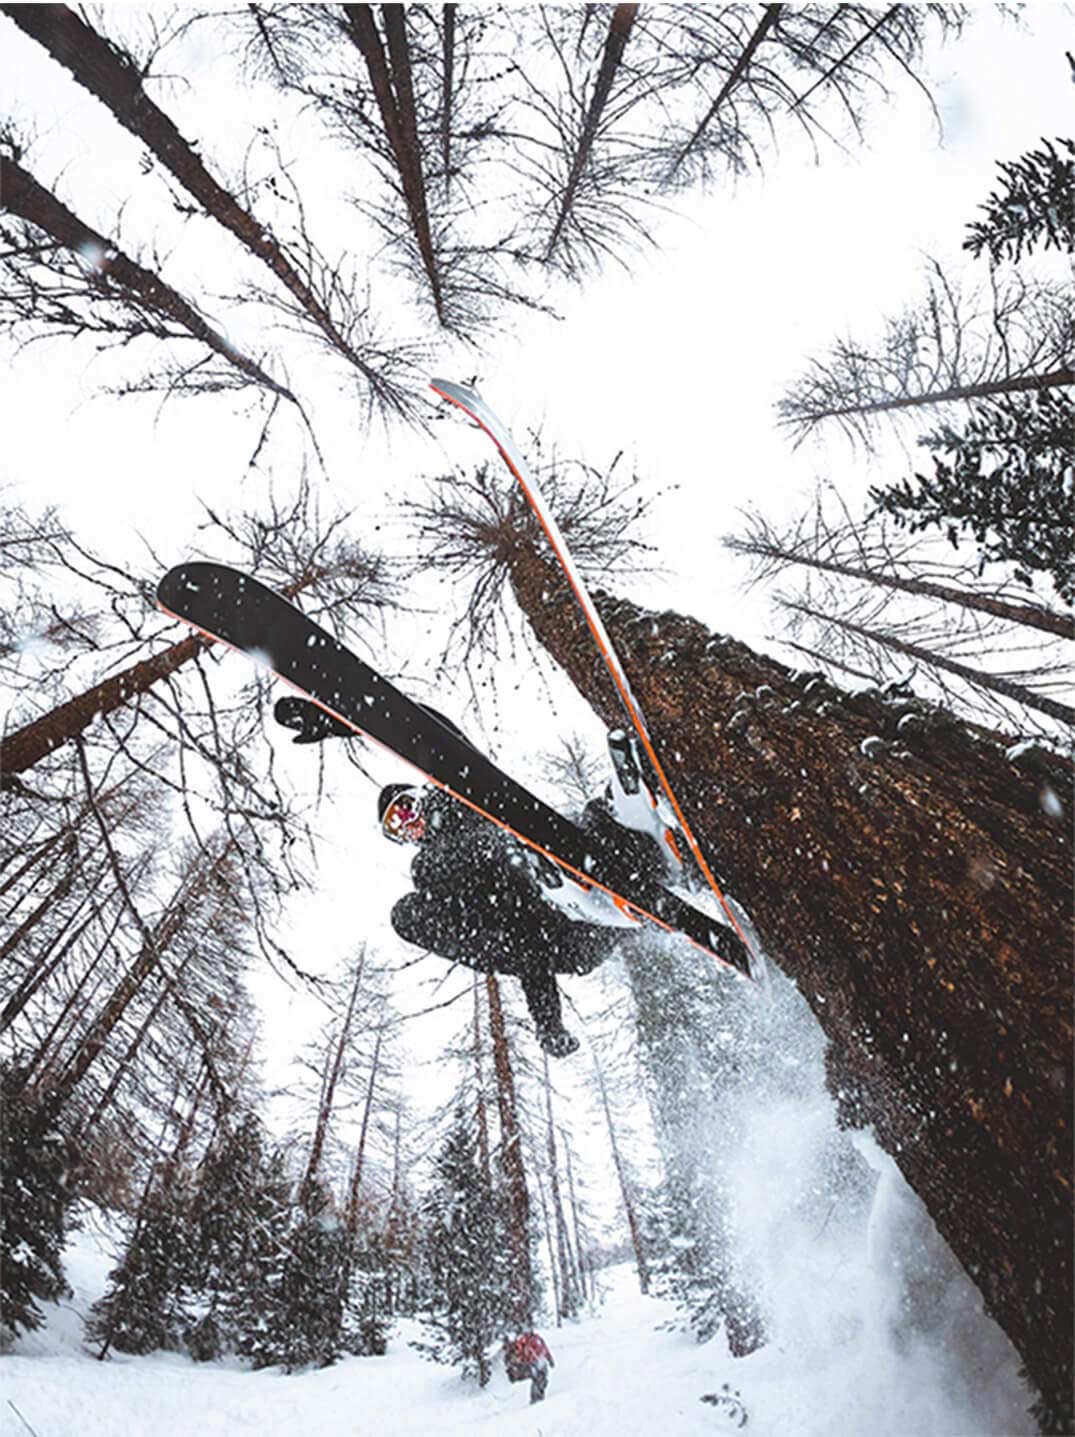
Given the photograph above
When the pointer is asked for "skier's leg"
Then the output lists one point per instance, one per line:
(543, 1000)
(539, 1380)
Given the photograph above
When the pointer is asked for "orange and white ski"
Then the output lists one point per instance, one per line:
(476, 407)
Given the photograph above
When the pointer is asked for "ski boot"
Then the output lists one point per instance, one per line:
(557, 1042)
(582, 904)
(635, 805)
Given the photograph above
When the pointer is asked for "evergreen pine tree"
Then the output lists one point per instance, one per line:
(34, 1198)
(1033, 204)
(253, 1304)
(463, 1251)
(301, 1296)
(1008, 478)
(223, 1212)
(147, 1303)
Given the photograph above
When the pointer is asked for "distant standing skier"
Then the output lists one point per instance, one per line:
(526, 1357)
(487, 901)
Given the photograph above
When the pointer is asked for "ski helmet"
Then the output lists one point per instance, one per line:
(399, 809)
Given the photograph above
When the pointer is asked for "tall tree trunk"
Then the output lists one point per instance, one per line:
(132, 1051)
(360, 1151)
(580, 1256)
(1020, 384)
(923, 907)
(847, 55)
(45, 966)
(121, 276)
(79, 998)
(1033, 616)
(333, 1068)
(633, 1225)
(568, 1303)
(996, 683)
(735, 75)
(619, 32)
(479, 1082)
(56, 894)
(511, 1157)
(447, 92)
(394, 94)
(554, 1272)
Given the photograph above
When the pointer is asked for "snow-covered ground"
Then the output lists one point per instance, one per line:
(842, 1363)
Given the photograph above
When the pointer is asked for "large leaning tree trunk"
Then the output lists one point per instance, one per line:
(918, 890)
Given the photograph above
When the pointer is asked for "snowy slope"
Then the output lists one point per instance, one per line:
(617, 1373)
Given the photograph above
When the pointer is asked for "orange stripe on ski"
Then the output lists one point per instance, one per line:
(587, 880)
(615, 671)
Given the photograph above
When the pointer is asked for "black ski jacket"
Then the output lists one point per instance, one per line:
(477, 901)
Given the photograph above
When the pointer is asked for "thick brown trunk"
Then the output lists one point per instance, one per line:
(121, 276)
(37, 739)
(735, 75)
(511, 1158)
(923, 906)
(619, 32)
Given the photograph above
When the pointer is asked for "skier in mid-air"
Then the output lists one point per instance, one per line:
(485, 900)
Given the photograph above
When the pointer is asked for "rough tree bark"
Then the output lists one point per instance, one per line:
(511, 1158)
(922, 905)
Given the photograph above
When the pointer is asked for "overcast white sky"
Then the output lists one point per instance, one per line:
(678, 362)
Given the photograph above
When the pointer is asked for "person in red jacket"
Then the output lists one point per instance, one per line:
(527, 1357)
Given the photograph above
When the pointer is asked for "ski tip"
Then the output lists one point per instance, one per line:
(454, 393)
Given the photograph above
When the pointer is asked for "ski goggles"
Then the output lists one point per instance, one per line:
(403, 821)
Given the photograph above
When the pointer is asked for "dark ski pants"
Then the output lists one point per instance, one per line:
(539, 1379)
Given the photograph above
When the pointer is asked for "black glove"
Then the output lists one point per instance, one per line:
(313, 723)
